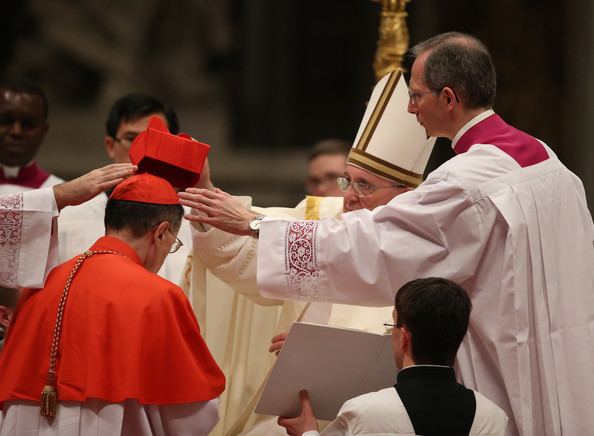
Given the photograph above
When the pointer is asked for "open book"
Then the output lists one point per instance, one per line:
(333, 364)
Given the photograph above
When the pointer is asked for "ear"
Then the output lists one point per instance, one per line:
(405, 342)
(449, 96)
(160, 230)
(5, 315)
(109, 145)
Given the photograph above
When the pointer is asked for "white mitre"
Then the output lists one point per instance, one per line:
(390, 142)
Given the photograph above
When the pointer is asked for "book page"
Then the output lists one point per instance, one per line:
(333, 364)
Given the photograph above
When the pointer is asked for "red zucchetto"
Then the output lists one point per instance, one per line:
(145, 188)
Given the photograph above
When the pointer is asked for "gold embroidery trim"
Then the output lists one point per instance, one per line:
(312, 207)
(385, 169)
(378, 110)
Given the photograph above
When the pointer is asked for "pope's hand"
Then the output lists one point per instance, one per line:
(277, 343)
(218, 209)
(85, 187)
(302, 423)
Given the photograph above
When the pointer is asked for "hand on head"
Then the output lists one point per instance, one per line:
(218, 209)
(302, 423)
(85, 187)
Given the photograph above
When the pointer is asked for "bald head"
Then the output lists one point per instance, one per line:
(461, 62)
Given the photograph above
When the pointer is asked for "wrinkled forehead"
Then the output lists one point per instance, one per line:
(357, 173)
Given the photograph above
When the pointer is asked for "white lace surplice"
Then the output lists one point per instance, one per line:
(99, 418)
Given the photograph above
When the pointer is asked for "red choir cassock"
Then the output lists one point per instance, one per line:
(126, 333)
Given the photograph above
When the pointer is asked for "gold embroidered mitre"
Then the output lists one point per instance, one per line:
(390, 142)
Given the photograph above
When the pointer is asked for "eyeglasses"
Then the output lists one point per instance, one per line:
(360, 188)
(176, 245)
(126, 141)
(414, 97)
(389, 327)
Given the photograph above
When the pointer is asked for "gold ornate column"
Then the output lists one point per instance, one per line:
(393, 38)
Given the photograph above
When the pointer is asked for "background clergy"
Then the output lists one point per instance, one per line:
(404, 145)
(120, 345)
(23, 126)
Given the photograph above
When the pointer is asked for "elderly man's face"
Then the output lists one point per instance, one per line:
(378, 197)
(118, 148)
(22, 127)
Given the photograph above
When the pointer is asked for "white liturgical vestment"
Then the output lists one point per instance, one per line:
(28, 240)
(506, 220)
(97, 417)
(238, 323)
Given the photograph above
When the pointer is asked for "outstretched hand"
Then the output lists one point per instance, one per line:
(85, 187)
(302, 423)
(218, 209)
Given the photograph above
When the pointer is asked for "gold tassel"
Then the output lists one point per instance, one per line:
(49, 397)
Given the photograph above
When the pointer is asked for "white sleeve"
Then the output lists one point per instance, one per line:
(435, 230)
(28, 237)
(346, 420)
(232, 258)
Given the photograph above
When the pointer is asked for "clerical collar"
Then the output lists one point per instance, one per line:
(30, 175)
(436, 372)
(11, 172)
(473, 122)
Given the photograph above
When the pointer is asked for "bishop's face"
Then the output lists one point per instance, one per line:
(163, 238)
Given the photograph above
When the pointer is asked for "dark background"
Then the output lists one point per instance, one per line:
(262, 80)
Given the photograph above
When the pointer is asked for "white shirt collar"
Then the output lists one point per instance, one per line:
(473, 122)
(11, 172)
(434, 366)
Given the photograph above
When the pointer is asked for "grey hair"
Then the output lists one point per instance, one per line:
(463, 63)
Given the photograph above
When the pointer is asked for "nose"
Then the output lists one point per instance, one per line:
(412, 107)
(350, 197)
(16, 128)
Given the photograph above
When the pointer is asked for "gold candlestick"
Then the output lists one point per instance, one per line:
(393, 38)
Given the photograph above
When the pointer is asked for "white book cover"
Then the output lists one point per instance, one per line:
(333, 364)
